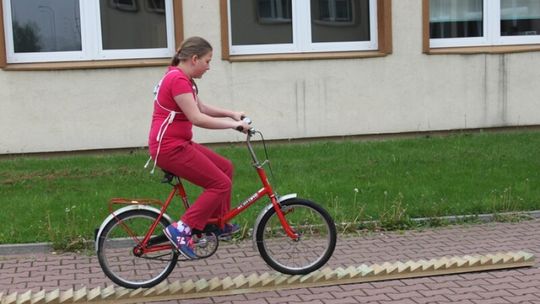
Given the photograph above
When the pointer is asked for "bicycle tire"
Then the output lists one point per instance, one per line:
(311, 251)
(116, 256)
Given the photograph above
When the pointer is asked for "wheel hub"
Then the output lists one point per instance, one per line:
(137, 251)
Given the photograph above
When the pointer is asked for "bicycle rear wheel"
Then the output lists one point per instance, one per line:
(314, 247)
(116, 250)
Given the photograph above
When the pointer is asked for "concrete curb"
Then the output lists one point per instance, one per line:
(45, 248)
(485, 218)
(16, 249)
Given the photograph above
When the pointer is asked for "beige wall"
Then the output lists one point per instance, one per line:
(405, 91)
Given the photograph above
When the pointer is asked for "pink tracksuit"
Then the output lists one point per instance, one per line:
(173, 150)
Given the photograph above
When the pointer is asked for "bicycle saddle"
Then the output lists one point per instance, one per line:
(168, 177)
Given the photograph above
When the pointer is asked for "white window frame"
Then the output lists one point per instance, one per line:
(492, 32)
(91, 40)
(301, 27)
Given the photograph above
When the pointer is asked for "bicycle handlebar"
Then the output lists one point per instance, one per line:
(250, 133)
(248, 121)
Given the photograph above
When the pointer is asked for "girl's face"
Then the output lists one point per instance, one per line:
(201, 65)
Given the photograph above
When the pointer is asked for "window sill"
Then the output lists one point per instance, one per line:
(305, 56)
(499, 49)
(82, 65)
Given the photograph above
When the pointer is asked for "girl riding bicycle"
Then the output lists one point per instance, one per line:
(176, 109)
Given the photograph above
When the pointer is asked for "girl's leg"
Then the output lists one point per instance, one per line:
(226, 167)
(196, 164)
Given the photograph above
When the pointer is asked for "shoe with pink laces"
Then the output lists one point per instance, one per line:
(180, 237)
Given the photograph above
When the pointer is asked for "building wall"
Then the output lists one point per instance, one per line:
(405, 91)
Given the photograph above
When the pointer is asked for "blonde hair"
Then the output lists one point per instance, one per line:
(191, 46)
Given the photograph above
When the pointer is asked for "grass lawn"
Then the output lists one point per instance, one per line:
(62, 199)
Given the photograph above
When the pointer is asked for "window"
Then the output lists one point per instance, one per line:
(305, 26)
(520, 18)
(77, 30)
(456, 19)
(463, 23)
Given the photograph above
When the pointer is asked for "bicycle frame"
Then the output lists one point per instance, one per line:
(179, 190)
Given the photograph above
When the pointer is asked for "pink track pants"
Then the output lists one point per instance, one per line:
(204, 168)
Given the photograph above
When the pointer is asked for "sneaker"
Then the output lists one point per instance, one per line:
(181, 240)
(225, 233)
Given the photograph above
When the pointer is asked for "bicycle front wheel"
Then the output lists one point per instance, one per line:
(313, 248)
(119, 258)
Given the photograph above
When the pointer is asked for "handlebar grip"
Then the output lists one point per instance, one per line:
(246, 119)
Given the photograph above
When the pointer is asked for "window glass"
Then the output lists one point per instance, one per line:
(456, 18)
(132, 24)
(46, 26)
(340, 20)
(520, 17)
(274, 11)
(261, 22)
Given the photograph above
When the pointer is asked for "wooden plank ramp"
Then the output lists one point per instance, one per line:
(276, 281)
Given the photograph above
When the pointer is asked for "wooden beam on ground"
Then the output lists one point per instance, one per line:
(269, 282)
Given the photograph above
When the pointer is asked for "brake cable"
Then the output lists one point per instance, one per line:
(274, 180)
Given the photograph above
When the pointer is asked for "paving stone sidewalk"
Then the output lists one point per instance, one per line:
(19, 273)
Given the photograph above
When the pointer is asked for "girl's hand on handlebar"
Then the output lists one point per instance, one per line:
(239, 115)
(243, 126)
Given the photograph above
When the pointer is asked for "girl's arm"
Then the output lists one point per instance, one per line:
(218, 112)
(201, 119)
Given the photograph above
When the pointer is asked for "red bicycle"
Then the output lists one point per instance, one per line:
(292, 235)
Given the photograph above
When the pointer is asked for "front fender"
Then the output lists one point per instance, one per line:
(266, 209)
(116, 213)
